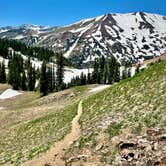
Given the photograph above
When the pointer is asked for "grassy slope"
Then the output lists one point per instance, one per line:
(139, 99)
(131, 106)
(33, 124)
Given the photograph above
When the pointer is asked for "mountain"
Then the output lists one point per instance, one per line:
(29, 34)
(133, 36)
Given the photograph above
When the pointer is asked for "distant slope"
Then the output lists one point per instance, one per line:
(125, 124)
(132, 36)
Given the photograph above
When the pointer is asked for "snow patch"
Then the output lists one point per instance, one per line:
(67, 54)
(9, 93)
(19, 37)
(99, 88)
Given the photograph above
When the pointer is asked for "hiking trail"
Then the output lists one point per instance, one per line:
(53, 157)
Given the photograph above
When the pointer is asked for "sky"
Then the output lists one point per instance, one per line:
(64, 12)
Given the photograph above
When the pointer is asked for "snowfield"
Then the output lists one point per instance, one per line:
(9, 93)
(99, 88)
(71, 73)
(68, 74)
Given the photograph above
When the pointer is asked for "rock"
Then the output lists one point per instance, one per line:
(155, 146)
(156, 163)
(71, 95)
(99, 147)
(127, 154)
(127, 145)
(163, 161)
(148, 148)
(77, 158)
(47, 164)
(152, 132)
(162, 138)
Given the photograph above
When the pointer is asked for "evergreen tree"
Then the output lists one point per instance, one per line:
(60, 73)
(89, 78)
(101, 69)
(82, 79)
(33, 77)
(24, 81)
(95, 74)
(105, 74)
(15, 67)
(0, 73)
(3, 73)
(51, 79)
(124, 73)
(43, 84)
(30, 72)
(117, 72)
(113, 71)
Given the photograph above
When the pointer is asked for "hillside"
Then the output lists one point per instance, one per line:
(133, 36)
(30, 125)
(37, 55)
(125, 124)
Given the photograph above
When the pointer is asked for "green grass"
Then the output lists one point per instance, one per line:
(114, 129)
(138, 99)
(136, 103)
(23, 141)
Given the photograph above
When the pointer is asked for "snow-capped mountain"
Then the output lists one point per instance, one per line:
(26, 33)
(130, 36)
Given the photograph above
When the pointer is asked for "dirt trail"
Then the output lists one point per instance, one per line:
(54, 156)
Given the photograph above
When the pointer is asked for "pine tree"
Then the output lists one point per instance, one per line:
(60, 72)
(15, 67)
(124, 73)
(3, 73)
(105, 74)
(101, 69)
(82, 79)
(31, 76)
(0, 73)
(117, 73)
(113, 71)
(95, 74)
(24, 81)
(43, 80)
(89, 78)
(51, 79)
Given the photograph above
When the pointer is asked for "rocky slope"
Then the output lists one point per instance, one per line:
(125, 124)
(130, 36)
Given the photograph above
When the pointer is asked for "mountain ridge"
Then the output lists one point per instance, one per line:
(127, 37)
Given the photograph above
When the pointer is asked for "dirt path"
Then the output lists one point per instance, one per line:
(54, 156)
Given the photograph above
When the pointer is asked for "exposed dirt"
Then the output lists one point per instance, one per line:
(54, 155)
(148, 62)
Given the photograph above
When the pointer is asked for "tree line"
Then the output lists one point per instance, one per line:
(105, 71)
(23, 75)
(40, 53)
(34, 52)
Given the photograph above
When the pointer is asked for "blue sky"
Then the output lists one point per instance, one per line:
(63, 12)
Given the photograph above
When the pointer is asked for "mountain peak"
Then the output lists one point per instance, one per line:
(127, 37)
